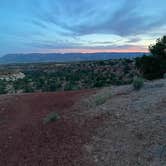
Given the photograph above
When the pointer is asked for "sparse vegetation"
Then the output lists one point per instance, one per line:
(101, 98)
(138, 83)
(98, 98)
(51, 117)
(51, 77)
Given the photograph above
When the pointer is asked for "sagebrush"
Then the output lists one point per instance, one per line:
(51, 117)
(138, 83)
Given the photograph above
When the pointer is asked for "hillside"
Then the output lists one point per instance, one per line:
(126, 128)
(68, 57)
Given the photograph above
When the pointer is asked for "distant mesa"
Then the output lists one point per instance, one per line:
(67, 57)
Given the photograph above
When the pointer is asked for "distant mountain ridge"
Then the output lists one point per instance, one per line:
(67, 57)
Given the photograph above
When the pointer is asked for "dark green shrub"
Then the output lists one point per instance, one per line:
(164, 76)
(138, 83)
(149, 66)
(154, 66)
(3, 87)
(53, 116)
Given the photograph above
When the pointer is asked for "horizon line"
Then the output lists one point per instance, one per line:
(76, 52)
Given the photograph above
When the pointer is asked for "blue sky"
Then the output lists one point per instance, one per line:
(80, 25)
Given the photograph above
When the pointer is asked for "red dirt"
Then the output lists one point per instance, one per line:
(26, 141)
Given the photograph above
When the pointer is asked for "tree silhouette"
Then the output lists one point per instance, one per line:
(154, 66)
(159, 49)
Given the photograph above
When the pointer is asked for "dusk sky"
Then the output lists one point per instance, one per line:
(80, 25)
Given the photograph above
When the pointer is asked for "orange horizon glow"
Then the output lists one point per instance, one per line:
(95, 50)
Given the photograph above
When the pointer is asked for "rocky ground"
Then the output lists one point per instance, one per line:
(134, 131)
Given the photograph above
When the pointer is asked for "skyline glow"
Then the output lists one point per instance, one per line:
(80, 26)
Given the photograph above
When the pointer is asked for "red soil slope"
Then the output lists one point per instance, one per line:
(26, 141)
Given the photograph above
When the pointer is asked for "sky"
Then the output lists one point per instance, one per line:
(47, 26)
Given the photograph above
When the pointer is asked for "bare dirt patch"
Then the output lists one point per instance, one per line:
(25, 140)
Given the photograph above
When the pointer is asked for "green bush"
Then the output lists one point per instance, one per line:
(51, 117)
(99, 100)
(138, 83)
(149, 66)
(153, 66)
